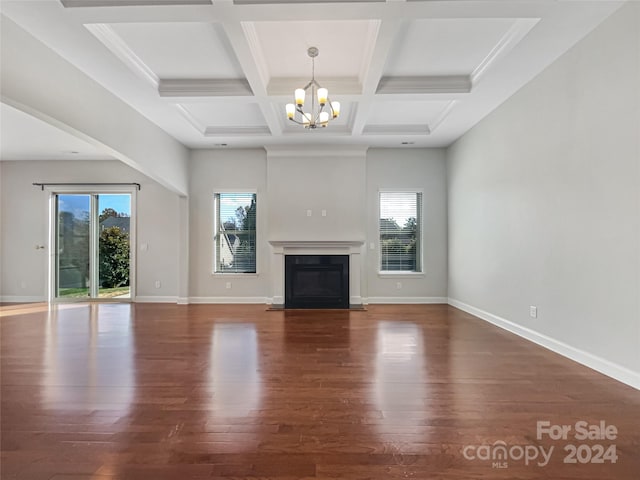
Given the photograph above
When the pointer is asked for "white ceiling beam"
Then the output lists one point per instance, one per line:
(208, 87)
(254, 76)
(424, 84)
(236, 131)
(129, 3)
(335, 85)
(411, 129)
(220, 11)
(387, 32)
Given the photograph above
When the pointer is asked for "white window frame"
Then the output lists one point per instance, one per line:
(90, 189)
(214, 233)
(401, 273)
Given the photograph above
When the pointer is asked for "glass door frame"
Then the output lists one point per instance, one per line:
(91, 190)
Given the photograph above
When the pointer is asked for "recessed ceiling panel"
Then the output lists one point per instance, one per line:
(226, 113)
(344, 47)
(181, 50)
(407, 112)
(446, 46)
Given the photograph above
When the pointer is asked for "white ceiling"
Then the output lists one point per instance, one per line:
(24, 137)
(213, 72)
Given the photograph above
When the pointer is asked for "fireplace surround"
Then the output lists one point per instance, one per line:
(350, 249)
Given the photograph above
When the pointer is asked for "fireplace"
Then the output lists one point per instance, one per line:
(284, 248)
(316, 281)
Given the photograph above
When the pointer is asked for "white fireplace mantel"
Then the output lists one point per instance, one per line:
(280, 248)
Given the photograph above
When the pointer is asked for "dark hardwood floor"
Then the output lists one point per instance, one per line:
(150, 391)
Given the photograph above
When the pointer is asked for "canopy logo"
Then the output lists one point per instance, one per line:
(500, 454)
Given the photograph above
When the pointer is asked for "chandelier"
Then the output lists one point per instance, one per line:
(320, 109)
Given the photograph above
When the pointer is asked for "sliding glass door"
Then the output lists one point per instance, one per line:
(93, 246)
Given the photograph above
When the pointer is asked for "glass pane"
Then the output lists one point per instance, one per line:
(236, 235)
(400, 231)
(114, 244)
(73, 228)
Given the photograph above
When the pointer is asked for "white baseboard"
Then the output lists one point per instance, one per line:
(252, 300)
(613, 370)
(183, 301)
(407, 300)
(154, 299)
(22, 299)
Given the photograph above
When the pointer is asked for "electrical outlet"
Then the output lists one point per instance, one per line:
(309, 213)
(398, 285)
(228, 285)
(372, 246)
(324, 213)
(533, 311)
(158, 284)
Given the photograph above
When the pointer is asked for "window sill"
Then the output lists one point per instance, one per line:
(232, 274)
(401, 274)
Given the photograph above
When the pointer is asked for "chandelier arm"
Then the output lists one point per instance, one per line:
(317, 114)
(330, 106)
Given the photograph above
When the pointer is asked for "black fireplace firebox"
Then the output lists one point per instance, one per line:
(316, 281)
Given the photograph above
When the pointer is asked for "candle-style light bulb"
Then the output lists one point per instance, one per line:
(335, 106)
(323, 94)
(291, 110)
(299, 95)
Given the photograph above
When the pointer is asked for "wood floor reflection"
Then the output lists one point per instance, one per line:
(150, 391)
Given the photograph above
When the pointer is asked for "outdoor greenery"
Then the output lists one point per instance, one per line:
(399, 244)
(73, 245)
(113, 257)
(84, 292)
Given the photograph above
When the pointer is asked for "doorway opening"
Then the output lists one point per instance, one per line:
(93, 235)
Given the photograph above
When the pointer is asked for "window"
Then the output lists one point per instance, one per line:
(400, 231)
(235, 236)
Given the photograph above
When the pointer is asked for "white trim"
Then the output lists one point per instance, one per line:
(406, 300)
(188, 116)
(349, 246)
(419, 213)
(183, 301)
(88, 189)
(239, 300)
(108, 36)
(428, 84)
(396, 130)
(204, 87)
(315, 150)
(400, 274)
(237, 131)
(255, 47)
(159, 299)
(599, 364)
(514, 35)
(23, 298)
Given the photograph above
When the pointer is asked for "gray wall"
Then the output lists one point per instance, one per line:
(418, 169)
(544, 204)
(345, 186)
(24, 224)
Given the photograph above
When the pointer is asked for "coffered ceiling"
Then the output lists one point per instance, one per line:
(214, 72)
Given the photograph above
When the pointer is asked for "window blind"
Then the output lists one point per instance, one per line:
(400, 231)
(235, 239)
